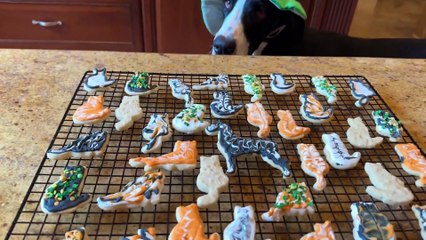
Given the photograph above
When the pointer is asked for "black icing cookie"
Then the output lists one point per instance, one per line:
(221, 106)
(140, 85)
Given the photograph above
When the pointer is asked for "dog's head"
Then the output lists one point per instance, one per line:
(244, 26)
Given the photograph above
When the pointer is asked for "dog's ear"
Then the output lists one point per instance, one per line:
(213, 16)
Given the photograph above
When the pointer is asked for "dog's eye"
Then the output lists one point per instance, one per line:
(260, 14)
(228, 4)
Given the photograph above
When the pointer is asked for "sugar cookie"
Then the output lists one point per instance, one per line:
(210, 180)
(128, 112)
(181, 91)
(183, 157)
(337, 154)
(258, 117)
(387, 125)
(321, 232)
(143, 234)
(97, 81)
(279, 84)
(220, 82)
(140, 85)
(232, 146)
(287, 126)
(325, 88)
(420, 212)
(312, 110)
(87, 146)
(295, 200)
(190, 225)
(361, 92)
(77, 234)
(370, 223)
(244, 225)
(253, 86)
(313, 164)
(412, 161)
(157, 131)
(64, 196)
(92, 111)
(221, 106)
(386, 187)
(191, 120)
(358, 135)
(143, 192)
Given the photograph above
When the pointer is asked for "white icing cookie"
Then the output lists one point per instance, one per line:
(361, 91)
(325, 88)
(181, 91)
(313, 164)
(97, 81)
(140, 85)
(358, 135)
(156, 132)
(387, 188)
(210, 180)
(221, 106)
(191, 120)
(387, 125)
(144, 191)
(220, 82)
(244, 225)
(337, 154)
(279, 84)
(128, 112)
(253, 86)
(312, 110)
(420, 212)
(143, 234)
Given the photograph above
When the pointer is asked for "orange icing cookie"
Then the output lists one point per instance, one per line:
(313, 164)
(92, 111)
(183, 157)
(413, 161)
(190, 225)
(258, 117)
(287, 126)
(321, 232)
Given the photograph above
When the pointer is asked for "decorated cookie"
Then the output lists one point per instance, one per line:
(337, 154)
(361, 91)
(140, 85)
(232, 146)
(210, 180)
(313, 164)
(92, 111)
(128, 112)
(325, 88)
(156, 132)
(181, 91)
(243, 226)
(143, 192)
(420, 212)
(370, 223)
(191, 120)
(64, 196)
(312, 110)
(412, 161)
(387, 125)
(143, 234)
(321, 232)
(287, 126)
(258, 117)
(190, 225)
(386, 187)
(97, 81)
(183, 157)
(77, 234)
(221, 106)
(87, 146)
(220, 82)
(358, 135)
(279, 84)
(294, 200)
(253, 86)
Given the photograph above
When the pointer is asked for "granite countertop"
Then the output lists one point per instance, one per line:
(37, 85)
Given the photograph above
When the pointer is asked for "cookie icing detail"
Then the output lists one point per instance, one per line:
(92, 109)
(143, 234)
(220, 82)
(387, 125)
(222, 107)
(369, 223)
(361, 91)
(258, 117)
(313, 164)
(77, 234)
(312, 110)
(280, 85)
(287, 126)
(412, 161)
(181, 91)
(191, 120)
(420, 213)
(97, 80)
(243, 226)
(321, 232)
(253, 86)
(157, 131)
(337, 154)
(139, 84)
(325, 88)
(88, 143)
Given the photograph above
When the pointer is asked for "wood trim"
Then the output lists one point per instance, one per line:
(149, 25)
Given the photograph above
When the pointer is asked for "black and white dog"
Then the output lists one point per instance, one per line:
(260, 27)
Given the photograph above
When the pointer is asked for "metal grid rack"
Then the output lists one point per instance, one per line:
(256, 183)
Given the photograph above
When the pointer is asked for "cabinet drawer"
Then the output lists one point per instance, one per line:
(111, 25)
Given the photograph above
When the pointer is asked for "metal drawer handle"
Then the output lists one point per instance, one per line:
(47, 24)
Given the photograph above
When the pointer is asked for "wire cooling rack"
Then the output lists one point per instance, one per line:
(256, 183)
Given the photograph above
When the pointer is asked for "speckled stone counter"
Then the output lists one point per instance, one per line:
(37, 85)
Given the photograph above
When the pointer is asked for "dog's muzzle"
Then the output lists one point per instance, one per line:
(223, 45)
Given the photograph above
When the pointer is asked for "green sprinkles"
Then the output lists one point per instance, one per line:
(386, 120)
(295, 193)
(140, 80)
(322, 83)
(67, 186)
(191, 114)
(254, 82)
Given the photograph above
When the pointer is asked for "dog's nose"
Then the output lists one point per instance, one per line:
(223, 45)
